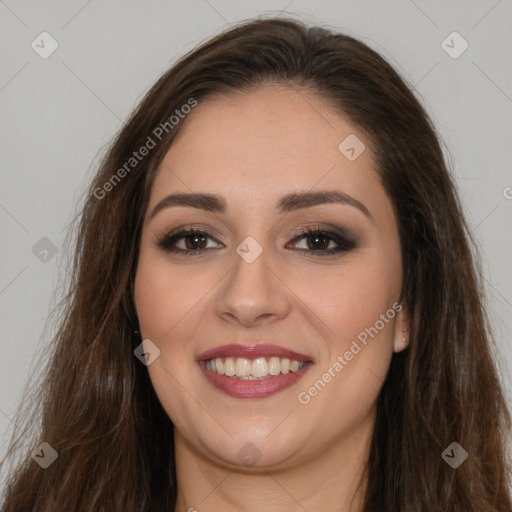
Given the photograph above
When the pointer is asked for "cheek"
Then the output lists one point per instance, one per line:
(359, 306)
(165, 297)
(353, 296)
(165, 302)
(155, 302)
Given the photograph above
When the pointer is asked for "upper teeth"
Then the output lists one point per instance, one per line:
(248, 369)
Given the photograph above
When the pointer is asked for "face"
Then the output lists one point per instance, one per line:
(301, 327)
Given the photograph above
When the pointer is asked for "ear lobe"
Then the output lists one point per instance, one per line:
(402, 331)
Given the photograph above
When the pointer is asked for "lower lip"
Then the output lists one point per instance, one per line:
(239, 388)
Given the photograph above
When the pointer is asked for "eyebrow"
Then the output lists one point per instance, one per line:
(288, 203)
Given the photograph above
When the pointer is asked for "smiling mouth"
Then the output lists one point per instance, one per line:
(260, 368)
(253, 371)
(257, 378)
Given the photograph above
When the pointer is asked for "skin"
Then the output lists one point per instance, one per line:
(252, 148)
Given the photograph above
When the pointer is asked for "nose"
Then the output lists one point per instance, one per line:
(253, 293)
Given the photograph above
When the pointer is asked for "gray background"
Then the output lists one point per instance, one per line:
(59, 113)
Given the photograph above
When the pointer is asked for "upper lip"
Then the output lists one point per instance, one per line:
(252, 352)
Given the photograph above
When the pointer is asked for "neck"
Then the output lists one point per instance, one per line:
(329, 481)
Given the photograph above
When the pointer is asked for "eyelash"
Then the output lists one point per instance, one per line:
(344, 242)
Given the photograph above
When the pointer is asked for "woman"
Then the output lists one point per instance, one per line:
(274, 304)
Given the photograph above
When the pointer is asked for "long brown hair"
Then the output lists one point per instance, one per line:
(96, 406)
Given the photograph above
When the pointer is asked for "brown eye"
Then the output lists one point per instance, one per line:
(194, 242)
(318, 242)
(321, 242)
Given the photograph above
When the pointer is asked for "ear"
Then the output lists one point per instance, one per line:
(402, 329)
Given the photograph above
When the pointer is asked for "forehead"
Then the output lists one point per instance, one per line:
(261, 144)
